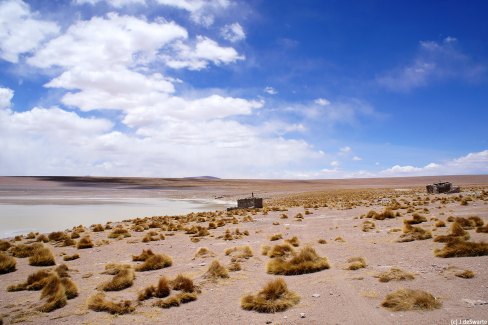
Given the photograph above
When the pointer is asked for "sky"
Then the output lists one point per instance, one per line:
(243, 89)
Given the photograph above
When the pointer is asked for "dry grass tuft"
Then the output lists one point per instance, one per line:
(395, 274)
(119, 232)
(203, 252)
(97, 228)
(440, 224)
(356, 263)
(274, 297)
(4, 245)
(416, 219)
(54, 294)
(293, 241)
(42, 257)
(216, 271)
(306, 261)
(123, 277)
(70, 288)
(456, 233)
(144, 255)
(368, 225)
(7, 263)
(161, 291)
(58, 236)
(175, 301)
(234, 267)
(322, 241)
(276, 237)
(22, 250)
(183, 283)
(243, 252)
(99, 303)
(466, 274)
(411, 233)
(460, 248)
(155, 262)
(35, 281)
(71, 257)
(483, 229)
(407, 299)
(85, 242)
(283, 250)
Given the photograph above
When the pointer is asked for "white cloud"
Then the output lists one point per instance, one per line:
(198, 57)
(345, 150)
(357, 158)
(270, 90)
(434, 61)
(341, 112)
(233, 32)
(113, 3)
(472, 163)
(335, 163)
(21, 31)
(322, 102)
(6, 96)
(202, 12)
(125, 40)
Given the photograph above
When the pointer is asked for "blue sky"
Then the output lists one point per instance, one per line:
(243, 89)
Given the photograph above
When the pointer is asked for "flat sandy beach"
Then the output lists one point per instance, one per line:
(334, 213)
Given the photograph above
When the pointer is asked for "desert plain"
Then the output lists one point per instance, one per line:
(340, 246)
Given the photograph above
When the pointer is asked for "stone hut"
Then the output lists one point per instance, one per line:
(442, 187)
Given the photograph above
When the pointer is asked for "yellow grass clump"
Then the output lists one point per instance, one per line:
(234, 267)
(7, 263)
(456, 233)
(356, 263)
(368, 225)
(99, 303)
(119, 232)
(71, 257)
(465, 274)
(42, 257)
(460, 248)
(243, 252)
(183, 283)
(306, 261)
(177, 300)
(283, 250)
(84, 242)
(97, 228)
(416, 219)
(294, 241)
(394, 274)
(123, 277)
(408, 299)
(411, 233)
(22, 250)
(54, 294)
(162, 290)
(276, 237)
(216, 271)
(203, 252)
(155, 262)
(4, 245)
(274, 297)
(143, 256)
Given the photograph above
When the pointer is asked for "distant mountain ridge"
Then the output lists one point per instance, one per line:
(202, 177)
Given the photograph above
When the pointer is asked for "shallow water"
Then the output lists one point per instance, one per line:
(54, 214)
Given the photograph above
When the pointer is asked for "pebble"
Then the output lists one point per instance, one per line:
(268, 322)
(473, 303)
(316, 295)
(302, 315)
(201, 264)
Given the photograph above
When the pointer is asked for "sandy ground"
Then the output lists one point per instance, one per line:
(344, 296)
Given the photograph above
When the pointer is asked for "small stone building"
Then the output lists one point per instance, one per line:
(442, 187)
(250, 202)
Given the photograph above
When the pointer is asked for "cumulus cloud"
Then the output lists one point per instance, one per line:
(434, 61)
(6, 96)
(270, 90)
(198, 56)
(233, 32)
(21, 31)
(472, 163)
(202, 12)
(357, 158)
(113, 3)
(322, 102)
(341, 112)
